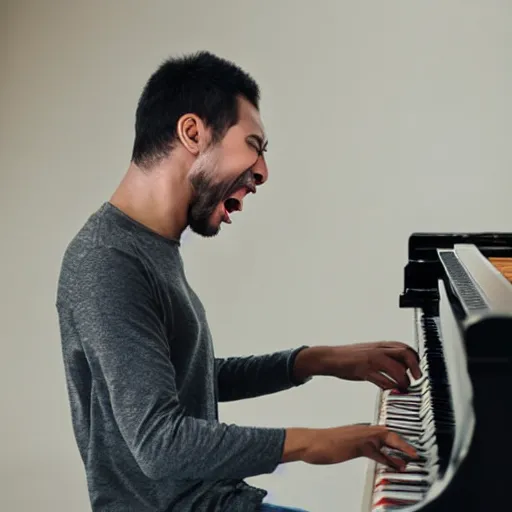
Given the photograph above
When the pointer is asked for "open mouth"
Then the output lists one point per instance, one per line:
(232, 204)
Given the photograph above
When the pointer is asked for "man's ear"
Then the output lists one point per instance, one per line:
(192, 133)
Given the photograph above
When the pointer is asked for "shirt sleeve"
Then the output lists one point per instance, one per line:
(257, 375)
(124, 339)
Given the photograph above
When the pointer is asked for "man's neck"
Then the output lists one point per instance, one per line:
(157, 199)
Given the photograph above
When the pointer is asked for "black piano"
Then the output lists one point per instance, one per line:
(458, 415)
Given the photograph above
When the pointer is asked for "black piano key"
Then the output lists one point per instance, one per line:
(442, 412)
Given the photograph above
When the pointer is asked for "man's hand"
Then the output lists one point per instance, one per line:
(361, 361)
(340, 444)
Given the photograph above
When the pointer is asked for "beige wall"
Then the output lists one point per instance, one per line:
(384, 118)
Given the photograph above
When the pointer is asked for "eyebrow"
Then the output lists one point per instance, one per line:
(262, 142)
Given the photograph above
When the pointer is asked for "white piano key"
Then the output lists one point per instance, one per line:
(404, 496)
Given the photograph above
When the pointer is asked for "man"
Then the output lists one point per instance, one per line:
(142, 377)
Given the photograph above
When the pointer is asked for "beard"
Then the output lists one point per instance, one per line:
(209, 192)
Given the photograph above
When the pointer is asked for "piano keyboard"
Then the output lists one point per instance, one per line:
(423, 415)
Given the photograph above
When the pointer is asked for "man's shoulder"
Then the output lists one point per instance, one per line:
(99, 251)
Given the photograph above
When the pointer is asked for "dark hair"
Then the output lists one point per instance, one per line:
(199, 83)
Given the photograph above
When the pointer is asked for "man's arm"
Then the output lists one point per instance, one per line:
(125, 344)
(252, 376)
(384, 363)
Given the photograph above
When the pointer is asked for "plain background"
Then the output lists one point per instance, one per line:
(384, 118)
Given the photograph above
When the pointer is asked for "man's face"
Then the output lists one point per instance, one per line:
(226, 172)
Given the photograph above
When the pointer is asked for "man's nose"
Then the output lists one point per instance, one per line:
(260, 171)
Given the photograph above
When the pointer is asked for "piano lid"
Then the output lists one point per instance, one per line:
(424, 267)
(479, 285)
(485, 295)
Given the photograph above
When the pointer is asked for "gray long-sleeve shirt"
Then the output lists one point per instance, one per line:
(143, 381)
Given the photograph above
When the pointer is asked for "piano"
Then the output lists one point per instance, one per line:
(458, 414)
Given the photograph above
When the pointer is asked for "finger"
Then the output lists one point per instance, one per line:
(399, 345)
(386, 460)
(381, 381)
(393, 344)
(409, 357)
(394, 369)
(393, 440)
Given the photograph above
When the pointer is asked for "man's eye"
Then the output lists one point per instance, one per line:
(258, 150)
